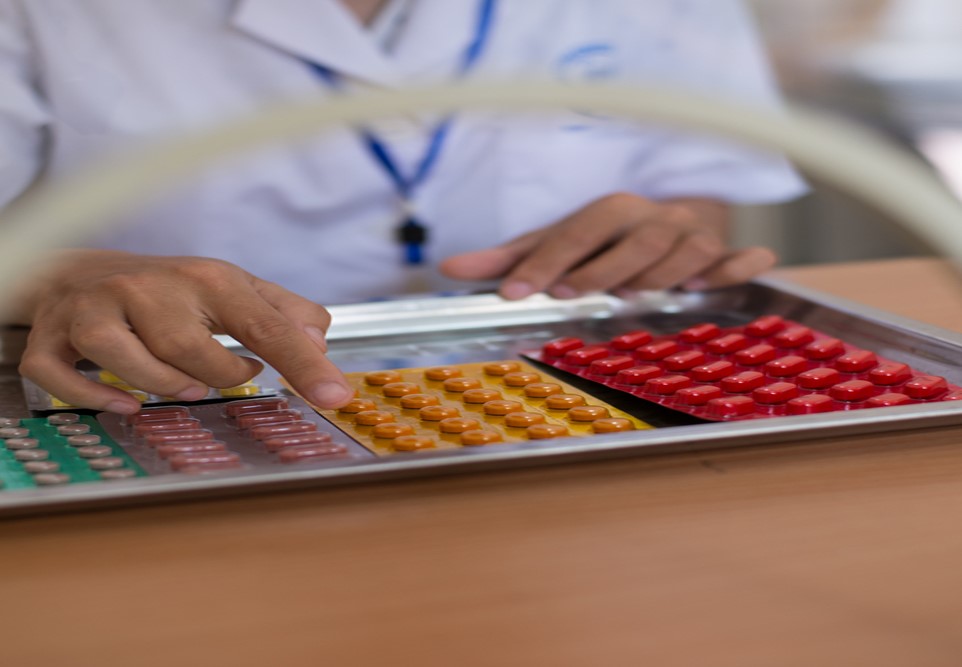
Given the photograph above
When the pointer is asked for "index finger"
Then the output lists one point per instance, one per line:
(271, 336)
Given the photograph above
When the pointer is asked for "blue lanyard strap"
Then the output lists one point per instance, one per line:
(411, 233)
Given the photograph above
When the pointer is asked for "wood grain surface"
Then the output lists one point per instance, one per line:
(845, 552)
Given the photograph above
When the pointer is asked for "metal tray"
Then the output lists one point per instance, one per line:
(460, 329)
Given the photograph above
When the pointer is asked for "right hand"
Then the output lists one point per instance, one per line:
(149, 320)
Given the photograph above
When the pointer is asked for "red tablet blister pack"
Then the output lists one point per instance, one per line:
(770, 367)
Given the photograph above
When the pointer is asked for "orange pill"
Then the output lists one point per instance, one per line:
(373, 417)
(478, 437)
(480, 395)
(564, 401)
(443, 373)
(520, 378)
(459, 385)
(397, 389)
(523, 419)
(546, 431)
(412, 443)
(358, 405)
(500, 368)
(458, 424)
(418, 401)
(435, 413)
(391, 430)
(588, 413)
(499, 408)
(379, 378)
(542, 389)
(612, 425)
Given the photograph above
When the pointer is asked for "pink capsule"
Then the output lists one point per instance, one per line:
(167, 437)
(283, 428)
(282, 441)
(183, 424)
(250, 419)
(311, 452)
(236, 408)
(166, 451)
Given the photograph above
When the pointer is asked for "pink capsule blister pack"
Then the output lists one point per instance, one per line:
(769, 367)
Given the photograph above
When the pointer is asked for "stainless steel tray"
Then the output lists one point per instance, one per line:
(460, 329)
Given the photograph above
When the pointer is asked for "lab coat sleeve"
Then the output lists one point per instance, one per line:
(23, 114)
(714, 49)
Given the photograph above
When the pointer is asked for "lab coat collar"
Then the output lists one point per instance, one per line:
(324, 32)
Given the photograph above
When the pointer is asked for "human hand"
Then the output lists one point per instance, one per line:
(620, 243)
(149, 320)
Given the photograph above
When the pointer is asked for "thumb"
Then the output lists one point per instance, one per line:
(490, 263)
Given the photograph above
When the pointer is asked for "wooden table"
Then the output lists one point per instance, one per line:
(845, 552)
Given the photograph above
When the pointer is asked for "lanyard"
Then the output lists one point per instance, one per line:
(411, 233)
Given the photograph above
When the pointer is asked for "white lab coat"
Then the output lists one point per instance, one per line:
(81, 77)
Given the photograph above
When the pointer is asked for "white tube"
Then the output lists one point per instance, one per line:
(853, 159)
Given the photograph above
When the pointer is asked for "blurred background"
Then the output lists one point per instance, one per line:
(895, 65)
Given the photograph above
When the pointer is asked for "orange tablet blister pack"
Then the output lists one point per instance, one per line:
(469, 405)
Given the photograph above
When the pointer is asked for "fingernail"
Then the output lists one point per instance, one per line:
(194, 393)
(695, 285)
(516, 290)
(563, 292)
(122, 407)
(330, 395)
(318, 336)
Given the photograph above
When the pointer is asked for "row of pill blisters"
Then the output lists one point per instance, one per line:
(469, 405)
(61, 449)
(768, 368)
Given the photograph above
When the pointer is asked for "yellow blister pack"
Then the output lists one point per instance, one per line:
(469, 405)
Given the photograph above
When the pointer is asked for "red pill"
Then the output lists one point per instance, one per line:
(697, 395)
(728, 343)
(683, 361)
(856, 361)
(630, 340)
(810, 404)
(637, 375)
(789, 366)
(818, 378)
(659, 350)
(775, 393)
(793, 337)
(713, 372)
(311, 452)
(886, 400)
(699, 333)
(727, 407)
(765, 326)
(953, 396)
(611, 365)
(756, 355)
(744, 382)
(562, 346)
(825, 348)
(585, 355)
(852, 391)
(667, 385)
(925, 386)
(889, 373)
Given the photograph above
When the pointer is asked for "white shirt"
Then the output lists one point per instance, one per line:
(81, 77)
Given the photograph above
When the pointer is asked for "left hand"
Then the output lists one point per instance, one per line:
(620, 243)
